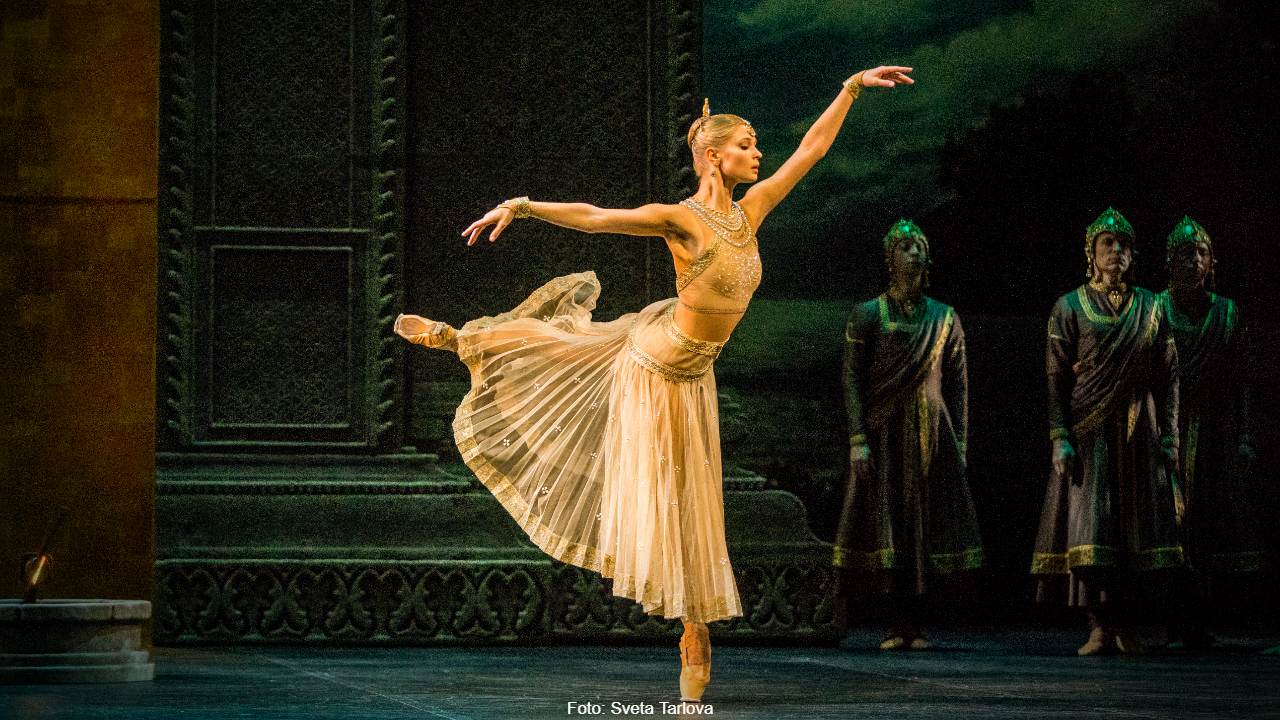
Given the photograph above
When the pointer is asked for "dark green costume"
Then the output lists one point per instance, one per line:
(1220, 534)
(906, 389)
(1113, 393)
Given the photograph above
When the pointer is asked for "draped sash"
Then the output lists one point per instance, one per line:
(1117, 364)
(907, 351)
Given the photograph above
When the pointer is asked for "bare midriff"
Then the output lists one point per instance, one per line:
(715, 327)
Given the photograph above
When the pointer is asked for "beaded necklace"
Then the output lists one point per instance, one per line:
(730, 227)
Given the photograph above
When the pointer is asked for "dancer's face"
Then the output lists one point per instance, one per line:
(1191, 263)
(909, 257)
(739, 158)
(1112, 253)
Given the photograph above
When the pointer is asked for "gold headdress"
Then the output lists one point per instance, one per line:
(700, 124)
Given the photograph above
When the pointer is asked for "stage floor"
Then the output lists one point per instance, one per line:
(972, 675)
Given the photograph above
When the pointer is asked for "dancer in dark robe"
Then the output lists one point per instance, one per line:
(1110, 509)
(1216, 453)
(908, 515)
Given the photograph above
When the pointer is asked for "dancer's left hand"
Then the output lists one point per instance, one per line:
(887, 76)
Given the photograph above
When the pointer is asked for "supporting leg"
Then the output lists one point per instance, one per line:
(695, 661)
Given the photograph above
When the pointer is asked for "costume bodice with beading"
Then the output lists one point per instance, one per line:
(722, 279)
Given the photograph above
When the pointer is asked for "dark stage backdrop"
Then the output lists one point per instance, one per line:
(569, 101)
(1027, 121)
(319, 160)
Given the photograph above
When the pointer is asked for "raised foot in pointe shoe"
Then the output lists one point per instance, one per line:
(428, 333)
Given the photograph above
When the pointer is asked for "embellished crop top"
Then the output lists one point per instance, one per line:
(722, 279)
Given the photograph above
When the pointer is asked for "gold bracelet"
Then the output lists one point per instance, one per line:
(520, 205)
(853, 85)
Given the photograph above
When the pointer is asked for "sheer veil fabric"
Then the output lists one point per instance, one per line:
(602, 441)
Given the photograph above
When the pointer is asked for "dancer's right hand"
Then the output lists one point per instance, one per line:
(499, 217)
(1064, 461)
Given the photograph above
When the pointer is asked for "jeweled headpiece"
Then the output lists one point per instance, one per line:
(903, 230)
(1109, 221)
(1188, 231)
(706, 115)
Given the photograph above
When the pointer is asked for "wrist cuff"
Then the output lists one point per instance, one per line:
(520, 205)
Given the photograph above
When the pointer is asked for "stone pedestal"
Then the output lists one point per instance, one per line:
(400, 550)
(73, 641)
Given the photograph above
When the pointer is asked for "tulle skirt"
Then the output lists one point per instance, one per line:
(602, 441)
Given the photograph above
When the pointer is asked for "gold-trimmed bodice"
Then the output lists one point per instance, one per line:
(723, 278)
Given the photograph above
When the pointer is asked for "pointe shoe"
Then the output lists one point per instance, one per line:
(428, 333)
(1100, 642)
(695, 664)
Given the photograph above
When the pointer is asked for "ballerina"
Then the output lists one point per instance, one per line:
(602, 439)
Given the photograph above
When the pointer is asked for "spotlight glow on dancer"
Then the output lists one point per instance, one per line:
(602, 440)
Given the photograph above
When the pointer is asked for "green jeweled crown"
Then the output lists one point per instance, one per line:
(903, 230)
(1188, 231)
(1109, 221)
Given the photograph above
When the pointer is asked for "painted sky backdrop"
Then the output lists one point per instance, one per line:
(1137, 87)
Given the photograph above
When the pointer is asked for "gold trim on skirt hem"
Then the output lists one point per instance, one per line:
(1106, 557)
(886, 559)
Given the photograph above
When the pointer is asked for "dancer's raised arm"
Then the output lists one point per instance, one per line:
(765, 195)
(652, 220)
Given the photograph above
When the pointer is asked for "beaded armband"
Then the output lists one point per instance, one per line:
(859, 439)
(1168, 441)
(520, 205)
(853, 86)
(1059, 434)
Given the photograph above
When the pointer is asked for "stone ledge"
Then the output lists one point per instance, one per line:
(72, 610)
(73, 641)
(465, 603)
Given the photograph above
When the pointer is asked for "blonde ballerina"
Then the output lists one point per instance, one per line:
(602, 439)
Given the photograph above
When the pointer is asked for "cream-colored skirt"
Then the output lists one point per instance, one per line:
(602, 441)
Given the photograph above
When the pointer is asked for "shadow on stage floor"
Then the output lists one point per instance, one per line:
(1030, 674)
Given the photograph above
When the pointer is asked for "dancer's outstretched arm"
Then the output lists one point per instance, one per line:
(652, 220)
(765, 195)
